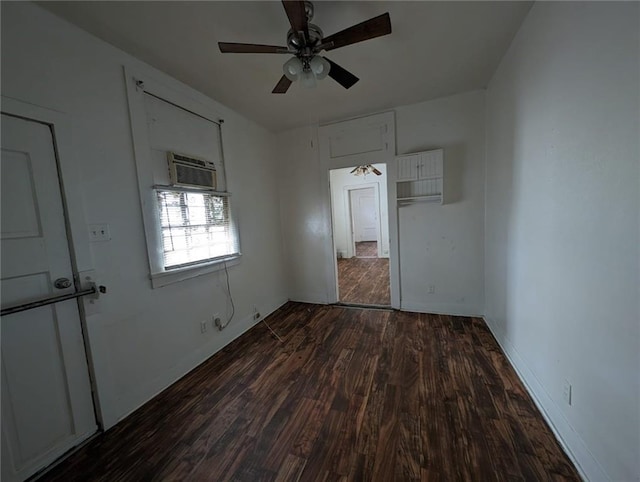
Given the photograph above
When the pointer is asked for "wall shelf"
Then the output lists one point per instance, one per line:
(434, 198)
(420, 177)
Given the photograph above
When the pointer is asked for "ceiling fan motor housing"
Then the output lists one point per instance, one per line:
(296, 43)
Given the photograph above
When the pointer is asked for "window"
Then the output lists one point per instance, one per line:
(186, 208)
(196, 228)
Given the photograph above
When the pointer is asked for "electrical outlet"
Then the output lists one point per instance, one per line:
(99, 232)
(203, 326)
(432, 289)
(566, 392)
(217, 321)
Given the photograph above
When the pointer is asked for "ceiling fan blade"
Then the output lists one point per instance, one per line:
(375, 171)
(343, 77)
(235, 48)
(297, 15)
(372, 28)
(282, 86)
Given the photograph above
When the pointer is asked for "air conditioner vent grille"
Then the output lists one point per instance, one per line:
(191, 171)
(190, 160)
(193, 176)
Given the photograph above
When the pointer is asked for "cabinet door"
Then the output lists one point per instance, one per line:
(430, 164)
(408, 168)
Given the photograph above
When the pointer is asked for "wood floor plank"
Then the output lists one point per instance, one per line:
(291, 469)
(364, 280)
(350, 395)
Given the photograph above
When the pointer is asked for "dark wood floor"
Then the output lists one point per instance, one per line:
(364, 280)
(350, 395)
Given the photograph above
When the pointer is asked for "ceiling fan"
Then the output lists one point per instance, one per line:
(364, 170)
(305, 41)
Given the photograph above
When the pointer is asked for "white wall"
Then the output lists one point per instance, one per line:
(562, 231)
(304, 235)
(442, 246)
(443, 243)
(143, 339)
(342, 178)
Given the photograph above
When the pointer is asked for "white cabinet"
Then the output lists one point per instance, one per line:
(420, 176)
(408, 167)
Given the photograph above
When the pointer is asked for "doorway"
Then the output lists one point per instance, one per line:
(365, 222)
(47, 406)
(361, 234)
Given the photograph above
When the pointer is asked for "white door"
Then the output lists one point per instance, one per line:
(46, 394)
(365, 215)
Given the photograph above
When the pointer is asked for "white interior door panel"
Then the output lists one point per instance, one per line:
(46, 393)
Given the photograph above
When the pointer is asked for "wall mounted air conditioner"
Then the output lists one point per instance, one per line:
(191, 171)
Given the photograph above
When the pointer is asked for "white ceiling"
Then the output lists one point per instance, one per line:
(435, 49)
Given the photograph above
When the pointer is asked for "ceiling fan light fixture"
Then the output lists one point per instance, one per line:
(320, 67)
(308, 79)
(308, 71)
(292, 68)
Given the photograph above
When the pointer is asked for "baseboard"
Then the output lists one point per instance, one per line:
(439, 308)
(362, 306)
(570, 441)
(314, 298)
(169, 377)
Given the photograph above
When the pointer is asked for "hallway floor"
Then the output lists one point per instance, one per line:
(367, 249)
(364, 281)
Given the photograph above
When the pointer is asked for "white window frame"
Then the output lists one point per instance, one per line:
(137, 84)
(228, 226)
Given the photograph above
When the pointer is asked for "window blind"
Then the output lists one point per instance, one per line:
(196, 227)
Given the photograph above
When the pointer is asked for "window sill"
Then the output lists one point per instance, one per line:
(165, 278)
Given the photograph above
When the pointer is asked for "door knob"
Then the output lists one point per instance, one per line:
(62, 283)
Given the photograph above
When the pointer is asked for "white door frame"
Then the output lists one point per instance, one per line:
(385, 155)
(75, 219)
(351, 244)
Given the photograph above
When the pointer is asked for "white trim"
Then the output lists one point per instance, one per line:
(312, 298)
(168, 277)
(386, 156)
(452, 309)
(137, 84)
(394, 234)
(571, 442)
(77, 232)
